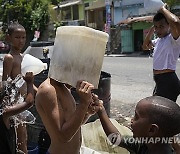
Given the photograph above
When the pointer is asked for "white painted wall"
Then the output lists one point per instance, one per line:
(123, 9)
(130, 2)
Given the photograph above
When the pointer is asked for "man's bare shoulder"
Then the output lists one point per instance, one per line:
(8, 58)
(7, 66)
(45, 93)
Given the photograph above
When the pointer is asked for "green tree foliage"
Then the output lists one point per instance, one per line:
(55, 2)
(32, 14)
(172, 3)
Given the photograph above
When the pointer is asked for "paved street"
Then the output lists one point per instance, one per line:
(131, 80)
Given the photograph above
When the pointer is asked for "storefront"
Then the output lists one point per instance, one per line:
(95, 14)
(72, 12)
(133, 34)
(140, 30)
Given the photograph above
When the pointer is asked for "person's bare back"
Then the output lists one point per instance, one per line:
(57, 109)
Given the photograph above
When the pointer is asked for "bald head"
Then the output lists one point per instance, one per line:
(163, 112)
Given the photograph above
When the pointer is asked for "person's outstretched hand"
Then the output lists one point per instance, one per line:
(97, 104)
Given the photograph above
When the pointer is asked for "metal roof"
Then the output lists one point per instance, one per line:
(67, 3)
(136, 19)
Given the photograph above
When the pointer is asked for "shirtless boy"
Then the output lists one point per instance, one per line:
(16, 36)
(155, 118)
(8, 136)
(60, 115)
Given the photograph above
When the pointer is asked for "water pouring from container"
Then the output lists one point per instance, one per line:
(10, 95)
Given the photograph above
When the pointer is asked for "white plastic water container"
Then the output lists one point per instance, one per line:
(152, 6)
(32, 64)
(78, 55)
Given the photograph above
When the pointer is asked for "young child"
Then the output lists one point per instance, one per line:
(7, 129)
(16, 37)
(166, 53)
(60, 115)
(155, 118)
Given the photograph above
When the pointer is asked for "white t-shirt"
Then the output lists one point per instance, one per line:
(166, 53)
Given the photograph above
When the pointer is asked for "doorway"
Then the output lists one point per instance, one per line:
(138, 40)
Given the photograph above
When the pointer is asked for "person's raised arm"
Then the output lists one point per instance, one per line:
(173, 21)
(147, 44)
(67, 129)
(29, 100)
(92, 109)
(35, 89)
(83, 88)
(7, 66)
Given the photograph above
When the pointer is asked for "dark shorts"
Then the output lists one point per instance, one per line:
(167, 85)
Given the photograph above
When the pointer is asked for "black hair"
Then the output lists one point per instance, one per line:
(165, 113)
(14, 26)
(159, 16)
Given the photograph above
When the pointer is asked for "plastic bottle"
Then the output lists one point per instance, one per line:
(152, 6)
(32, 64)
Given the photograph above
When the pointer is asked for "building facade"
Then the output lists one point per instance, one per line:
(124, 9)
(95, 14)
(71, 12)
(111, 16)
(132, 33)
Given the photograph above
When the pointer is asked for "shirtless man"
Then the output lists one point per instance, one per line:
(61, 118)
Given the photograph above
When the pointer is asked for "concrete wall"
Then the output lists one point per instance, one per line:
(123, 13)
(81, 12)
(127, 8)
(130, 2)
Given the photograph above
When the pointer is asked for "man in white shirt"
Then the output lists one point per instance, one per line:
(166, 53)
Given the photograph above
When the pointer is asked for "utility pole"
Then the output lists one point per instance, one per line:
(108, 24)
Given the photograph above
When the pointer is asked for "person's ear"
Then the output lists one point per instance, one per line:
(153, 130)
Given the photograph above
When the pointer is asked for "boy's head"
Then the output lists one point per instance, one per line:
(156, 116)
(161, 25)
(16, 36)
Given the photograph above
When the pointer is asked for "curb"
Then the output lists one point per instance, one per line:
(127, 55)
